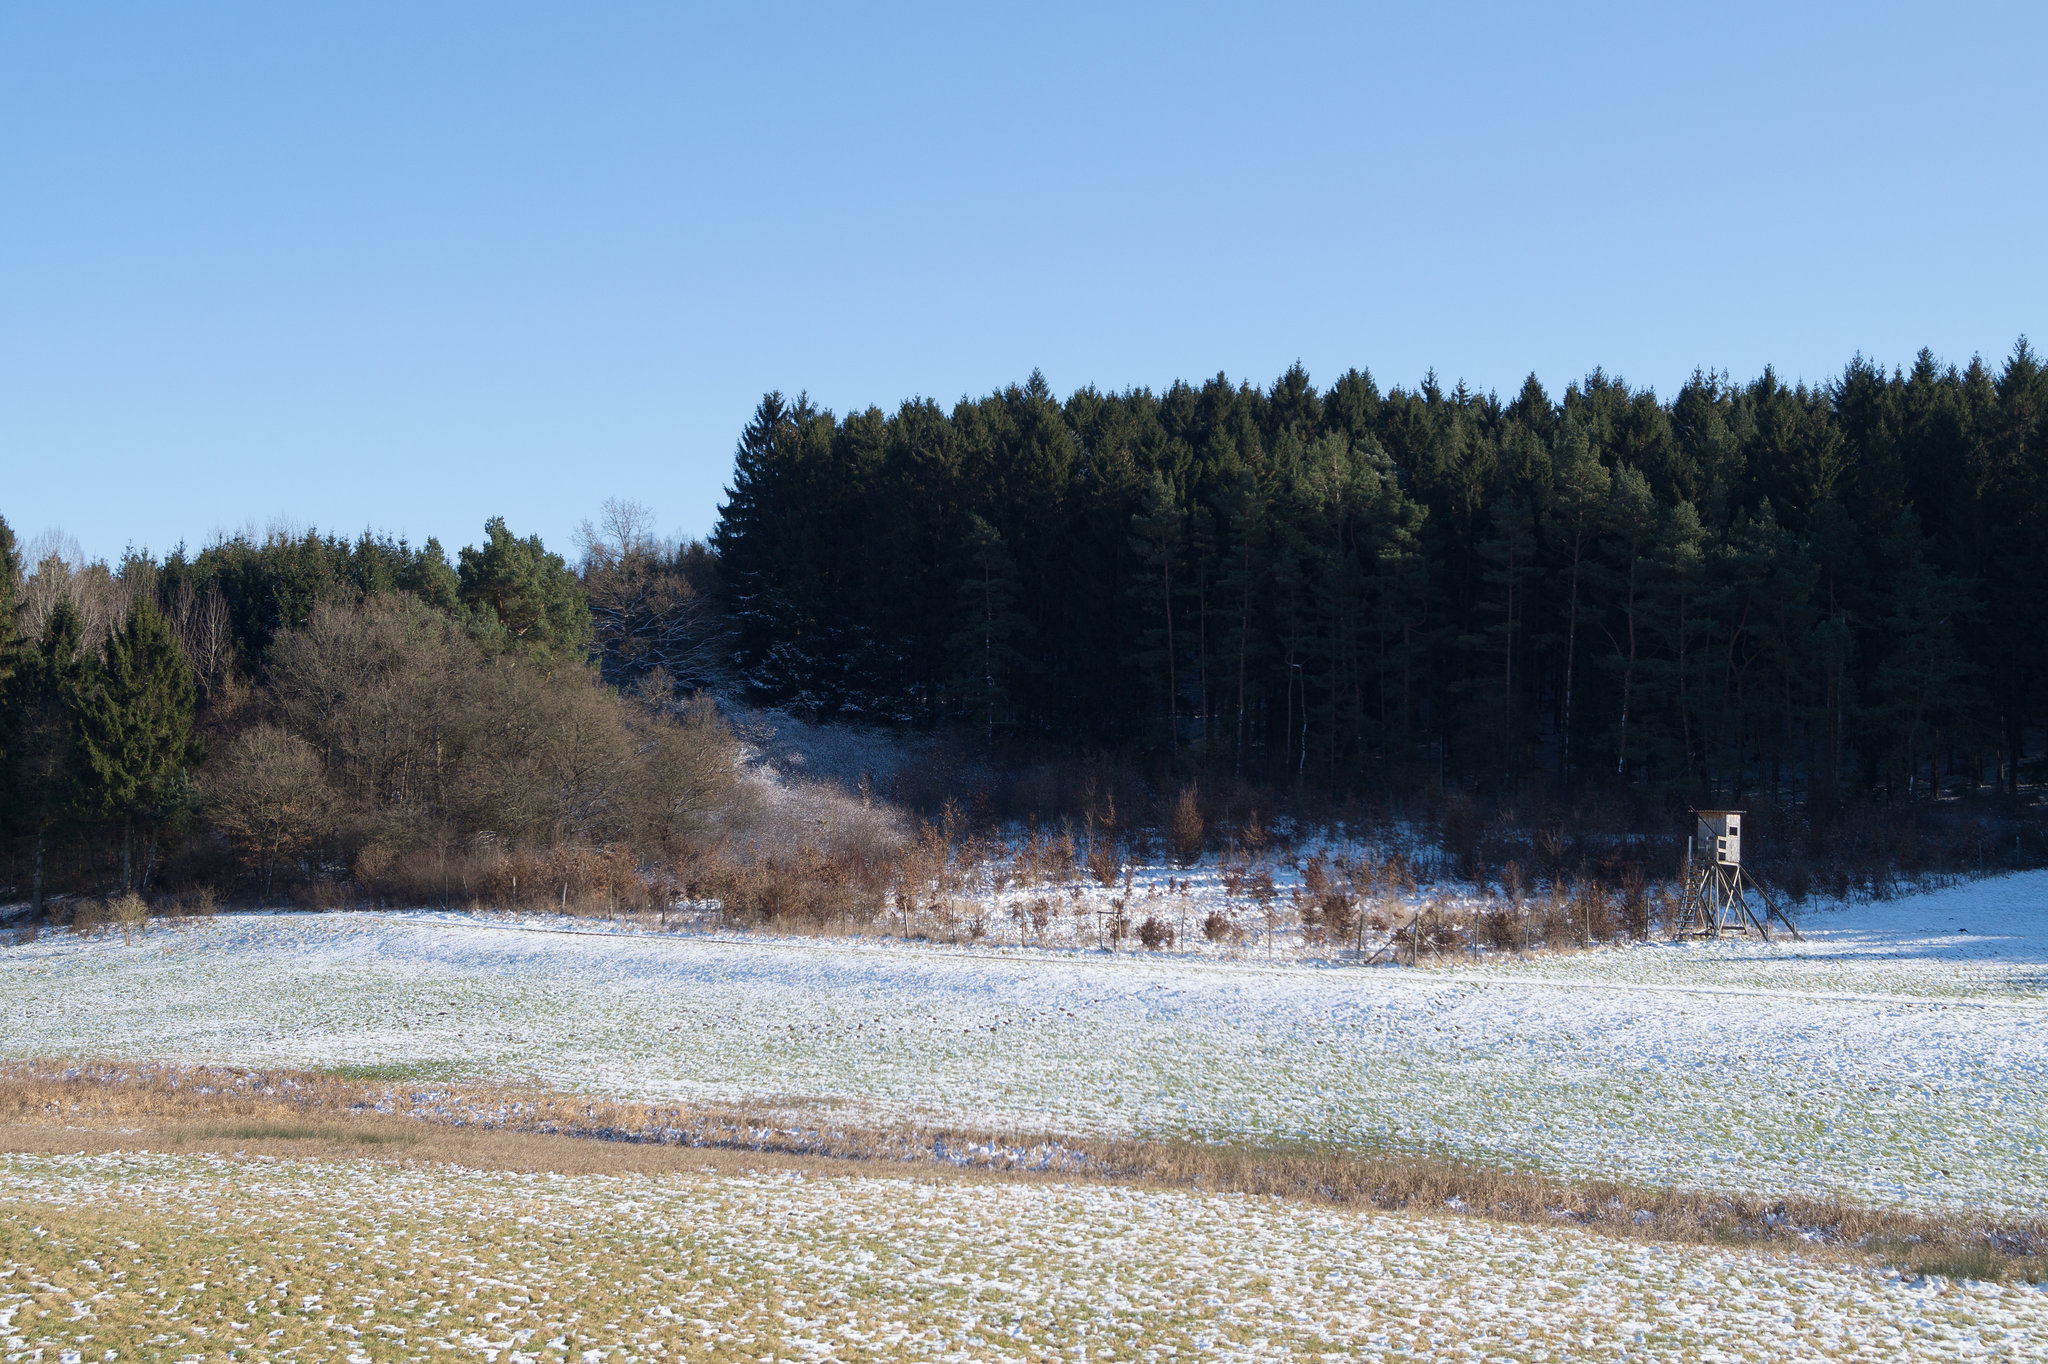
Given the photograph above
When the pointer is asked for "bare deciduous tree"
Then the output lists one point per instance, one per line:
(269, 797)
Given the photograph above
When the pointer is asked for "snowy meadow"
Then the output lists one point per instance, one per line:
(129, 1255)
(1897, 1058)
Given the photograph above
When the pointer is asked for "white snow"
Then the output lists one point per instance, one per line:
(1890, 1059)
(417, 1258)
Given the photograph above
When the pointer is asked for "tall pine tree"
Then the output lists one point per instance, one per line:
(135, 730)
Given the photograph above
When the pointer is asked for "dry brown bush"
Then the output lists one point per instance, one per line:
(1595, 912)
(323, 895)
(128, 912)
(1251, 835)
(1155, 933)
(1635, 902)
(1105, 861)
(1501, 929)
(425, 741)
(1185, 829)
(1559, 928)
(199, 902)
(808, 890)
(89, 917)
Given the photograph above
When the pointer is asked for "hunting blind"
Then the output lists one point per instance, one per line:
(1717, 891)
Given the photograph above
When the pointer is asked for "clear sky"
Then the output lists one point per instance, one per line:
(411, 265)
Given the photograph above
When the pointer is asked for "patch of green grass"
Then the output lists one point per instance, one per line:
(299, 1132)
(1980, 1262)
(397, 1070)
(1971, 1262)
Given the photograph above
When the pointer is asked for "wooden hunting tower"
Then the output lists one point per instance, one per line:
(1721, 831)
(1717, 892)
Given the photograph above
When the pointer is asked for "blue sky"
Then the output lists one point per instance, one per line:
(411, 266)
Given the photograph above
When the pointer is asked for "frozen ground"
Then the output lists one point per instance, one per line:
(1892, 1059)
(130, 1256)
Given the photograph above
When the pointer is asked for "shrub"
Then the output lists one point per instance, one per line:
(1559, 926)
(1635, 902)
(1217, 927)
(1105, 861)
(1500, 929)
(129, 911)
(1155, 933)
(88, 916)
(1461, 831)
(1185, 831)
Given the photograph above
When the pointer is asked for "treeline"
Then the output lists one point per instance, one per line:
(347, 720)
(1749, 590)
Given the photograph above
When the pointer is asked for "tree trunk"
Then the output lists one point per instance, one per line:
(1202, 655)
(1628, 676)
(127, 855)
(1172, 700)
(1244, 631)
(36, 883)
(1684, 711)
(1571, 645)
(988, 650)
(1507, 678)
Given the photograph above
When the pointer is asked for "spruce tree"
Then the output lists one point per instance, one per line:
(992, 630)
(135, 728)
(1577, 503)
(1156, 529)
(10, 599)
(1630, 523)
(43, 782)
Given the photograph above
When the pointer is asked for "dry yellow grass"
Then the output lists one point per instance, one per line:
(67, 1107)
(135, 1255)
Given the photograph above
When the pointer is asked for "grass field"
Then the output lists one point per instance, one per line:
(138, 1256)
(1890, 1060)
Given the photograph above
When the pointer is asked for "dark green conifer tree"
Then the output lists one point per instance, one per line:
(45, 783)
(529, 601)
(135, 730)
(992, 643)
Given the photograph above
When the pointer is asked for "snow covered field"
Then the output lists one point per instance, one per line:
(133, 1255)
(1893, 1059)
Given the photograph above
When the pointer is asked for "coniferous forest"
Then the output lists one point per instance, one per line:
(1802, 599)
(1749, 589)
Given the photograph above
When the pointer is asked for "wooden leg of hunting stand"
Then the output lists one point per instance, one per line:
(1770, 907)
(1740, 894)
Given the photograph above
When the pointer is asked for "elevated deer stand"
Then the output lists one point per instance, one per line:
(1717, 892)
